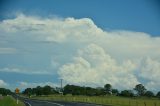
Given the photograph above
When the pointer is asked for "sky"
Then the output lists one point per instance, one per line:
(85, 42)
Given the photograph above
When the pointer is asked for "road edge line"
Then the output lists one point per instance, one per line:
(49, 102)
(54, 103)
(28, 103)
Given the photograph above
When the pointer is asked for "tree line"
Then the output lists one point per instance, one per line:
(4, 91)
(46, 90)
(139, 90)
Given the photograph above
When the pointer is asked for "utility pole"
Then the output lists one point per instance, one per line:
(61, 86)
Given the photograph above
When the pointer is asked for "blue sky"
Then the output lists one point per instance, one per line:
(135, 15)
(79, 41)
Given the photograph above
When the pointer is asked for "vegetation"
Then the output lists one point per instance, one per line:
(77, 90)
(46, 90)
(140, 89)
(106, 95)
(127, 93)
(108, 88)
(9, 101)
(89, 91)
(149, 94)
(158, 94)
(115, 92)
(4, 91)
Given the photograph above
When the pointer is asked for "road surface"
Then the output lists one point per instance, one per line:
(30, 102)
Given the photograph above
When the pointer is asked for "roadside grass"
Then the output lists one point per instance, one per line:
(104, 100)
(10, 101)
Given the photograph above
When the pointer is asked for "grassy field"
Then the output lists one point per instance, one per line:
(9, 101)
(105, 100)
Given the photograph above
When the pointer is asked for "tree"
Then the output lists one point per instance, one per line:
(149, 94)
(100, 91)
(140, 89)
(78, 90)
(47, 90)
(68, 89)
(108, 88)
(127, 93)
(28, 91)
(39, 90)
(115, 91)
(4, 91)
(158, 94)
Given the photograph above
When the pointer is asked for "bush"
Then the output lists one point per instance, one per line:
(127, 93)
(149, 94)
(158, 94)
(46, 90)
(4, 91)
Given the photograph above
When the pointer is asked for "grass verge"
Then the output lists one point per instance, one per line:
(104, 100)
(10, 101)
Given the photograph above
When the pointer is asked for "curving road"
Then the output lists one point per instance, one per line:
(30, 102)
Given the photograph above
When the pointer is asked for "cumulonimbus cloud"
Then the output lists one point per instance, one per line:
(95, 56)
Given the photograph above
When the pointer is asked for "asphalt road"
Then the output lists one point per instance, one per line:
(30, 102)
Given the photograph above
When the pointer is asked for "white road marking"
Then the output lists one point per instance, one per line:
(28, 103)
(47, 102)
(54, 103)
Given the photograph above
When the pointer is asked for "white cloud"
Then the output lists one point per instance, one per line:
(94, 66)
(3, 84)
(23, 85)
(149, 70)
(23, 71)
(58, 30)
(99, 56)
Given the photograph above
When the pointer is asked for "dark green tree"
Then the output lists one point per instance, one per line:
(149, 94)
(39, 90)
(115, 91)
(28, 91)
(127, 93)
(47, 90)
(100, 91)
(140, 89)
(158, 94)
(78, 90)
(5, 91)
(68, 89)
(108, 88)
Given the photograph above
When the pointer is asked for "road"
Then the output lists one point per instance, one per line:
(30, 102)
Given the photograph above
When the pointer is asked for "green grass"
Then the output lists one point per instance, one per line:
(9, 101)
(105, 100)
